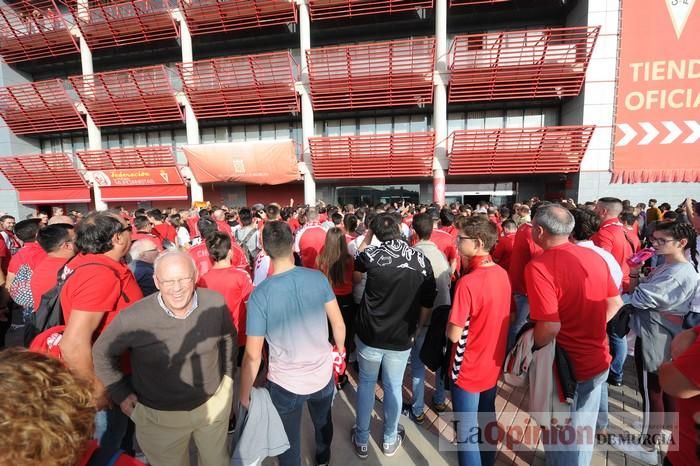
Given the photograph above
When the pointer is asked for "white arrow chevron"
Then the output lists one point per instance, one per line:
(651, 131)
(629, 134)
(673, 132)
(695, 135)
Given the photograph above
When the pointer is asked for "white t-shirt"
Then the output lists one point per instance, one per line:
(358, 289)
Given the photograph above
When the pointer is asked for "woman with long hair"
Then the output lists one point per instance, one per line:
(183, 233)
(338, 266)
(661, 302)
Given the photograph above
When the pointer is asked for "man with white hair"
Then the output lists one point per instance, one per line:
(572, 296)
(143, 253)
(61, 219)
(182, 344)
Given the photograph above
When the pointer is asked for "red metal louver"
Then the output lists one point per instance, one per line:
(333, 9)
(112, 24)
(39, 107)
(245, 85)
(45, 178)
(527, 64)
(128, 97)
(31, 30)
(552, 149)
(474, 2)
(399, 155)
(378, 74)
(211, 16)
(120, 159)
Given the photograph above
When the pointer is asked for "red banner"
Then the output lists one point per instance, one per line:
(138, 177)
(658, 97)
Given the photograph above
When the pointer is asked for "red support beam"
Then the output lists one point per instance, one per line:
(32, 30)
(39, 107)
(507, 151)
(399, 155)
(378, 74)
(128, 97)
(213, 16)
(41, 171)
(529, 64)
(113, 24)
(120, 159)
(238, 86)
(334, 9)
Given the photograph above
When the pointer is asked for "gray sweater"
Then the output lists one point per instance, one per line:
(177, 364)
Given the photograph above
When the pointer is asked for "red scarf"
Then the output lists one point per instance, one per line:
(478, 261)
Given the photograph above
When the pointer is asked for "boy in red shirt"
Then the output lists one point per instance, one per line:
(233, 283)
(572, 296)
(478, 325)
(161, 229)
(504, 247)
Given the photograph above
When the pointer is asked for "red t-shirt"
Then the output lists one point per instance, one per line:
(202, 260)
(570, 284)
(687, 364)
(5, 256)
(345, 288)
(633, 235)
(293, 224)
(611, 237)
(236, 286)
(30, 254)
(451, 230)
(96, 288)
(44, 277)
(503, 250)
(445, 243)
(192, 225)
(484, 296)
(139, 235)
(165, 231)
(310, 243)
(123, 460)
(524, 249)
(499, 229)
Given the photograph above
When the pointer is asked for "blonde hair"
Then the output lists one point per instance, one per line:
(46, 413)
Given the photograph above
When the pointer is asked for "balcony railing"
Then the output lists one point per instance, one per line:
(39, 107)
(121, 159)
(128, 97)
(531, 64)
(552, 149)
(212, 16)
(32, 30)
(398, 155)
(334, 9)
(379, 74)
(245, 85)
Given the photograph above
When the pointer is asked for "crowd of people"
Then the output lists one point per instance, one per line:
(180, 326)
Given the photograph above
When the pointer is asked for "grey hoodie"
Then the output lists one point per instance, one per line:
(662, 302)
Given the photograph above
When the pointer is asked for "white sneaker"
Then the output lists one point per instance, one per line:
(638, 452)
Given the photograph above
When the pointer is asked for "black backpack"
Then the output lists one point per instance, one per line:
(49, 312)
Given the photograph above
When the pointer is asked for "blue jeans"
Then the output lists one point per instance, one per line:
(618, 350)
(393, 366)
(110, 428)
(289, 406)
(522, 315)
(602, 421)
(418, 378)
(560, 448)
(474, 411)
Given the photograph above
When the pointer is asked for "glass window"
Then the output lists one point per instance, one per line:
(128, 140)
(476, 120)
(419, 123)
(113, 141)
(348, 127)
(332, 128)
(252, 133)
(551, 116)
(208, 135)
(267, 131)
(79, 143)
(532, 118)
(384, 125)
(402, 124)
(514, 118)
(180, 137)
(455, 121)
(493, 119)
(238, 133)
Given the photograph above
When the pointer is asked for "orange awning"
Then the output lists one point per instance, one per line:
(259, 162)
(54, 196)
(166, 192)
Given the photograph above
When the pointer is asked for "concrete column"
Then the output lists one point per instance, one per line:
(307, 111)
(191, 123)
(94, 133)
(440, 162)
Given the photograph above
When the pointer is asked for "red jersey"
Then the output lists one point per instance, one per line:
(293, 224)
(451, 230)
(495, 220)
(503, 250)
(524, 249)
(345, 288)
(309, 242)
(445, 243)
(687, 364)
(30, 254)
(633, 235)
(122, 460)
(570, 285)
(235, 285)
(5, 256)
(202, 260)
(44, 277)
(139, 235)
(483, 296)
(192, 225)
(611, 237)
(97, 288)
(165, 231)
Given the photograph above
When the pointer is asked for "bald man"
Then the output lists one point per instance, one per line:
(61, 219)
(143, 254)
(183, 347)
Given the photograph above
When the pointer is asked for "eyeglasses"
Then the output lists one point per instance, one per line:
(149, 250)
(660, 241)
(171, 283)
(462, 238)
(125, 228)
